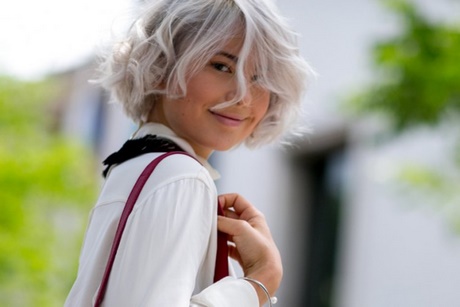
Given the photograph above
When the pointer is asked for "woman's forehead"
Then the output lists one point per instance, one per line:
(231, 49)
(233, 46)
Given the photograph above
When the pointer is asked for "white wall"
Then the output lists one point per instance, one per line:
(398, 250)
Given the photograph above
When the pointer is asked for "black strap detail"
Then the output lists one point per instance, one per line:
(136, 147)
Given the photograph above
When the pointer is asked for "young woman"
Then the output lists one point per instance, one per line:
(197, 76)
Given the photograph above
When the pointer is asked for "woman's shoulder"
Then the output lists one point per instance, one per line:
(171, 166)
(180, 165)
(172, 169)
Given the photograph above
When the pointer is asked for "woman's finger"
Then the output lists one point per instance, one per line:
(231, 214)
(242, 207)
(232, 227)
(234, 254)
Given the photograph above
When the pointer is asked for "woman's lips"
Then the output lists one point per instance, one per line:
(228, 120)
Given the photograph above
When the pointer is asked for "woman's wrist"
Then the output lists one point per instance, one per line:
(271, 284)
(270, 278)
(262, 292)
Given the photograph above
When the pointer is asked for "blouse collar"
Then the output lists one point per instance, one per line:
(163, 131)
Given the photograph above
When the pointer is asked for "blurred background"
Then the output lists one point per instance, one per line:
(366, 209)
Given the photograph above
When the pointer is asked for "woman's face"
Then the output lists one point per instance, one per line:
(192, 117)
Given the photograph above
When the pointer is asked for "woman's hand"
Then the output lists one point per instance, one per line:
(253, 246)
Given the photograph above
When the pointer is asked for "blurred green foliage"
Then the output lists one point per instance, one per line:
(434, 188)
(47, 185)
(417, 83)
(417, 70)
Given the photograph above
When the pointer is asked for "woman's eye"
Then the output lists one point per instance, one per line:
(221, 67)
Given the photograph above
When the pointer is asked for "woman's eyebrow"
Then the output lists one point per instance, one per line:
(230, 56)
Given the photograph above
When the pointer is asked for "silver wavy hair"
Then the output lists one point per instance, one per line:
(173, 39)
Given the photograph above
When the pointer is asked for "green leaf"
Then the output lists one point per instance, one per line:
(47, 186)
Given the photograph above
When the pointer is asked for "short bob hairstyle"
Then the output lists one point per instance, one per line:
(173, 39)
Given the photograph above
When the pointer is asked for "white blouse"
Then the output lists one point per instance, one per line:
(168, 249)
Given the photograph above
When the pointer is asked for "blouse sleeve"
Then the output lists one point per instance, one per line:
(166, 245)
(226, 293)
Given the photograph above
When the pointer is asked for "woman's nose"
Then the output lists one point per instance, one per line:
(246, 99)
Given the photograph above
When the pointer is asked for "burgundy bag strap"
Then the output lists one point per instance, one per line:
(221, 269)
